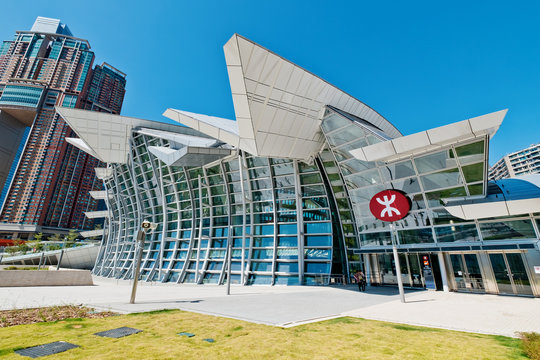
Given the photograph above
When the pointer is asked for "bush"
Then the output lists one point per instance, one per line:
(531, 344)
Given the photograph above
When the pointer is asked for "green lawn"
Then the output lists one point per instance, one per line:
(343, 338)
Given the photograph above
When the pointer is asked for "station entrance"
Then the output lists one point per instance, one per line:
(495, 272)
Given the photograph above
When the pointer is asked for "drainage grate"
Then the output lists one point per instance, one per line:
(118, 333)
(186, 334)
(46, 349)
(209, 340)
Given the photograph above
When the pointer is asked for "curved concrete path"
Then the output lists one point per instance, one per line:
(294, 305)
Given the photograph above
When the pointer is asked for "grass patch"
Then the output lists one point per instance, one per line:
(343, 338)
(412, 328)
(531, 344)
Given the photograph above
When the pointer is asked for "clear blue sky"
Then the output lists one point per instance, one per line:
(421, 64)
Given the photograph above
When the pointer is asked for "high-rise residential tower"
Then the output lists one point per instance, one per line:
(46, 181)
(521, 162)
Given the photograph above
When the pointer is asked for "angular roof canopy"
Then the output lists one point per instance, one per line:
(106, 136)
(430, 140)
(278, 105)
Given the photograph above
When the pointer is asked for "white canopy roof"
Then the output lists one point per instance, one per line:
(278, 105)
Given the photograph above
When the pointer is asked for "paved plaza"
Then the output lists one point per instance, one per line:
(293, 305)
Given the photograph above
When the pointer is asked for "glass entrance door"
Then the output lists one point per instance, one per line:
(510, 274)
(467, 272)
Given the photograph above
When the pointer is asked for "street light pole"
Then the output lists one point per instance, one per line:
(396, 262)
(140, 246)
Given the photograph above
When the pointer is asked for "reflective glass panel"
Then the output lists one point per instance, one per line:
(471, 153)
(501, 230)
(442, 179)
(457, 233)
(415, 236)
(438, 161)
(474, 172)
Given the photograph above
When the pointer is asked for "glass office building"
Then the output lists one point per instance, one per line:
(288, 183)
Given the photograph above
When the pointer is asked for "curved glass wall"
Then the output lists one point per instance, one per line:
(278, 214)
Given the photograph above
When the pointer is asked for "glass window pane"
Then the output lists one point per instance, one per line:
(287, 280)
(287, 267)
(333, 121)
(310, 179)
(353, 166)
(287, 229)
(471, 153)
(438, 161)
(319, 268)
(317, 253)
(409, 186)
(375, 239)
(313, 190)
(477, 189)
(457, 233)
(317, 228)
(434, 197)
(398, 171)
(365, 178)
(289, 241)
(318, 241)
(416, 236)
(283, 169)
(517, 229)
(474, 172)
(261, 266)
(442, 179)
(288, 253)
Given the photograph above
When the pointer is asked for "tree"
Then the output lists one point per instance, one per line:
(11, 250)
(38, 236)
(70, 238)
(55, 237)
(22, 247)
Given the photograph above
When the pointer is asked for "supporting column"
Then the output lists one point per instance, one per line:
(442, 267)
(367, 266)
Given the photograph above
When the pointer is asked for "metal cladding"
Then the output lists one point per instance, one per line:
(288, 185)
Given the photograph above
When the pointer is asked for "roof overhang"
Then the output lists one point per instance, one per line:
(106, 136)
(495, 209)
(278, 105)
(188, 155)
(430, 140)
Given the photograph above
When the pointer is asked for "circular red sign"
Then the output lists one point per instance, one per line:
(390, 205)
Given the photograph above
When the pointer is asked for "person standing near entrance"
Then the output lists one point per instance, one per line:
(360, 280)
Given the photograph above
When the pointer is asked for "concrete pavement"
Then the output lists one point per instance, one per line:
(294, 305)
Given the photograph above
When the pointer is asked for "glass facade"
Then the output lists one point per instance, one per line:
(291, 222)
(277, 213)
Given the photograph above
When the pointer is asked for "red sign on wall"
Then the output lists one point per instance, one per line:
(390, 205)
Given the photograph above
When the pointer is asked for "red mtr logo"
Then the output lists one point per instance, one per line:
(390, 205)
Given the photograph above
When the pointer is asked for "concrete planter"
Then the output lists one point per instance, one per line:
(13, 278)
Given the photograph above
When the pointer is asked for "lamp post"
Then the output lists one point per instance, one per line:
(141, 235)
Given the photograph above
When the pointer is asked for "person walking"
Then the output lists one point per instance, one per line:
(360, 280)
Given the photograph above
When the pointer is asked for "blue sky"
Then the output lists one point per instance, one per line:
(421, 64)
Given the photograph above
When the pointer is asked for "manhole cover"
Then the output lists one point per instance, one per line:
(118, 333)
(186, 334)
(46, 349)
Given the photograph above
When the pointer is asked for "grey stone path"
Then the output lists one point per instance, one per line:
(294, 305)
